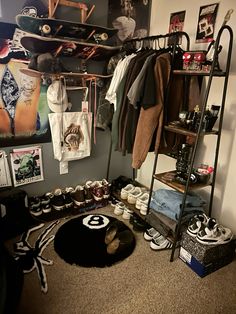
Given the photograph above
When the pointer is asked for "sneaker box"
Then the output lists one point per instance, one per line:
(204, 269)
(206, 254)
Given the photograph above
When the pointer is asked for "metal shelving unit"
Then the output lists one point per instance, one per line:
(199, 134)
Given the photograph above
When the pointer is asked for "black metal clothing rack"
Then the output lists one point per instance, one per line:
(152, 42)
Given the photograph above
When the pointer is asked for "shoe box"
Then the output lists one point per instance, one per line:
(205, 259)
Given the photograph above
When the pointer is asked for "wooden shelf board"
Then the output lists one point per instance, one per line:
(186, 132)
(198, 73)
(175, 185)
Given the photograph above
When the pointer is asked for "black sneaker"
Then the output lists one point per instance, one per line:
(45, 199)
(67, 197)
(46, 208)
(36, 211)
(57, 201)
(88, 192)
(78, 196)
(34, 202)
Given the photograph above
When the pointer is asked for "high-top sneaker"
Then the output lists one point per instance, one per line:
(106, 186)
(35, 206)
(67, 197)
(78, 196)
(88, 192)
(97, 190)
(58, 200)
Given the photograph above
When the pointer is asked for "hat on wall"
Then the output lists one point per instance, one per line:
(57, 97)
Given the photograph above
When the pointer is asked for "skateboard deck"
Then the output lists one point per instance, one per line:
(86, 76)
(50, 27)
(71, 48)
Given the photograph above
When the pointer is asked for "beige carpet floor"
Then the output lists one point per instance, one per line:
(144, 283)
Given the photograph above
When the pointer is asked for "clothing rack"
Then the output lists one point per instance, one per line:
(175, 40)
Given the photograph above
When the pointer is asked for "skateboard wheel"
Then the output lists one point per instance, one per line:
(103, 36)
(46, 29)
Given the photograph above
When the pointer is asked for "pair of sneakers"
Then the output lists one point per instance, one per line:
(99, 189)
(40, 205)
(121, 209)
(131, 193)
(157, 241)
(142, 203)
(207, 231)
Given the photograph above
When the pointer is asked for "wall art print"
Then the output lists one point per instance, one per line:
(206, 23)
(130, 17)
(23, 102)
(27, 165)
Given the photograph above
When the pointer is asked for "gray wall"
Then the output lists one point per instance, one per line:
(90, 168)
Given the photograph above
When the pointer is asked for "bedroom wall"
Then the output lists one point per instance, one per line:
(91, 168)
(224, 201)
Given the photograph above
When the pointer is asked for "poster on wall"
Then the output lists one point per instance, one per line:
(23, 102)
(23, 107)
(206, 23)
(177, 22)
(176, 25)
(27, 166)
(5, 178)
(130, 17)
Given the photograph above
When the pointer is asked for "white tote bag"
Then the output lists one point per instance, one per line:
(71, 135)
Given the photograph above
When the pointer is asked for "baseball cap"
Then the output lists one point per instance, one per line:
(57, 97)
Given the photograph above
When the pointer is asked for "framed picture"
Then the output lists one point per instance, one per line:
(130, 17)
(27, 165)
(206, 23)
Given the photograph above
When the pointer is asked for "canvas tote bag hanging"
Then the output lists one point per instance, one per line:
(71, 135)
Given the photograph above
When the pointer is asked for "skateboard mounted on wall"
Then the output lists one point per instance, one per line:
(50, 27)
(71, 48)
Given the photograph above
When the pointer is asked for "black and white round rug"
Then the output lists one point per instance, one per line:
(81, 241)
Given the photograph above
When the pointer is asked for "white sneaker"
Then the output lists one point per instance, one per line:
(160, 243)
(142, 199)
(119, 208)
(126, 190)
(132, 197)
(150, 233)
(127, 213)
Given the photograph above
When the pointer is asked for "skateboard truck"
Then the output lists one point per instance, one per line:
(53, 4)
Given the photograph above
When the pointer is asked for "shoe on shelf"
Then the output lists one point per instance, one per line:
(97, 190)
(196, 224)
(106, 186)
(127, 213)
(35, 206)
(46, 198)
(34, 202)
(119, 208)
(67, 197)
(36, 211)
(142, 199)
(46, 208)
(159, 243)
(214, 234)
(150, 233)
(126, 190)
(58, 200)
(121, 243)
(88, 192)
(132, 196)
(113, 229)
(78, 196)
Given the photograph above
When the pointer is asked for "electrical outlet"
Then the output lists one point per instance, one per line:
(64, 167)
